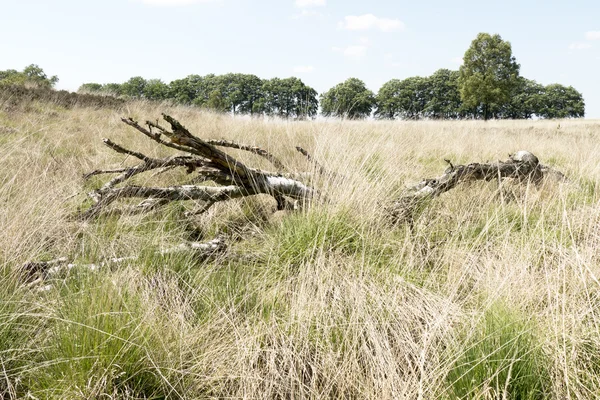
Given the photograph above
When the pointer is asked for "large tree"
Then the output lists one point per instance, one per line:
(526, 100)
(488, 75)
(349, 99)
(288, 98)
(134, 87)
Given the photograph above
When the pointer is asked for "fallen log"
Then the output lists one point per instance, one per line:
(522, 166)
(36, 272)
(235, 179)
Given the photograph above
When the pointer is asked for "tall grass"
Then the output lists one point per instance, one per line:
(490, 293)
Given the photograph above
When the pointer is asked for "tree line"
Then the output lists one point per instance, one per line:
(32, 75)
(234, 93)
(487, 85)
(439, 97)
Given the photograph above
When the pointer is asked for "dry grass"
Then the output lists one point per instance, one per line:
(488, 296)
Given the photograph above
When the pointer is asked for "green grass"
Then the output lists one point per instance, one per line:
(501, 357)
(103, 338)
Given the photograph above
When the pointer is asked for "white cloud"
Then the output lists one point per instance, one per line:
(579, 46)
(364, 40)
(369, 21)
(592, 35)
(172, 3)
(304, 69)
(354, 51)
(310, 3)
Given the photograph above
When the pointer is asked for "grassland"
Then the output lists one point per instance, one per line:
(489, 295)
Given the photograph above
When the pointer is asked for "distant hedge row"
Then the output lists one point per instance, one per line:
(17, 95)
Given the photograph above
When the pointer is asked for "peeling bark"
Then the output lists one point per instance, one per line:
(206, 160)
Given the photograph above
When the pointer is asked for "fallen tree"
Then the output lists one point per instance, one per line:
(233, 178)
(522, 166)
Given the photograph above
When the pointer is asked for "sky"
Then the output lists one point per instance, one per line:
(323, 42)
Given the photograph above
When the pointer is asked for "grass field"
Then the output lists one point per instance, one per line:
(491, 294)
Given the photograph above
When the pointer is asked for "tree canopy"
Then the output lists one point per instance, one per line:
(31, 75)
(489, 74)
(350, 99)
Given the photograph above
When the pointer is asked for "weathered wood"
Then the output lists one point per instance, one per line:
(522, 166)
(210, 163)
(35, 272)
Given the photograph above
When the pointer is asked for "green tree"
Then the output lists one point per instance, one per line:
(288, 98)
(184, 91)
(155, 89)
(349, 99)
(37, 76)
(560, 101)
(90, 88)
(404, 99)
(251, 93)
(444, 96)
(525, 101)
(12, 77)
(488, 74)
(114, 89)
(31, 75)
(134, 87)
(207, 92)
(240, 92)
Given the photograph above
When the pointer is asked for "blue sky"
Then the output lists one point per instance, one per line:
(321, 41)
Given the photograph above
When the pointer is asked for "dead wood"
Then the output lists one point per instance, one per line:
(522, 166)
(35, 272)
(252, 149)
(205, 160)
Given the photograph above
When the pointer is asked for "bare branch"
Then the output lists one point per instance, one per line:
(123, 150)
(103, 171)
(156, 137)
(252, 149)
(37, 271)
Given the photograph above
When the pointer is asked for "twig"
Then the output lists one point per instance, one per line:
(252, 149)
(322, 170)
